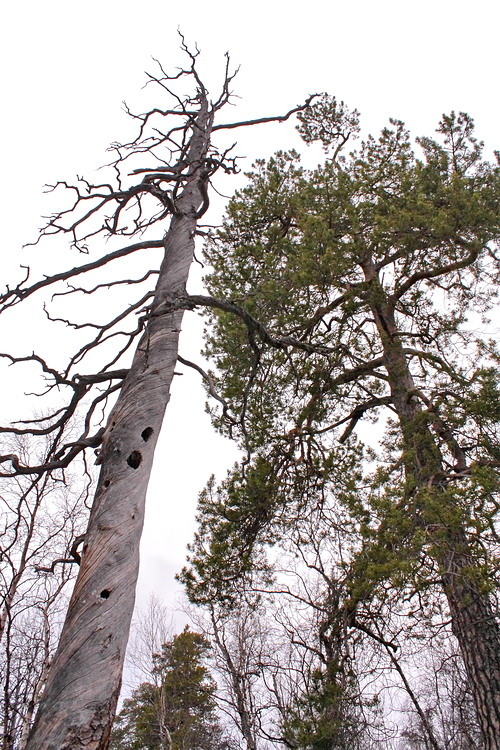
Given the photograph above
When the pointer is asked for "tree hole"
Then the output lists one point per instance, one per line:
(135, 459)
(105, 594)
(146, 434)
(106, 482)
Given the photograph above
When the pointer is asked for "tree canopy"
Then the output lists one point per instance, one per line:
(354, 292)
(357, 292)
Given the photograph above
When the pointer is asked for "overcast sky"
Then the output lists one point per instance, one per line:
(66, 68)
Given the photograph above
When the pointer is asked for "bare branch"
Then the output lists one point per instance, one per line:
(262, 120)
(14, 296)
(211, 387)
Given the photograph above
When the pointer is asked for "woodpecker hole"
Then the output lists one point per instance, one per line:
(105, 594)
(135, 459)
(146, 434)
(106, 482)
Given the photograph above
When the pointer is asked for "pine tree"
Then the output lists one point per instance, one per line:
(361, 290)
(177, 710)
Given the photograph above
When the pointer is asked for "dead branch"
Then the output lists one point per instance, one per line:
(73, 559)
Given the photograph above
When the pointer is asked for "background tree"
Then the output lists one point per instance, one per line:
(30, 637)
(177, 709)
(239, 654)
(356, 291)
(296, 670)
(446, 702)
(41, 522)
(133, 201)
(151, 628)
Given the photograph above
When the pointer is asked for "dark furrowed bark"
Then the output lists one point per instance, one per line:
(476, 629)
(474, 622)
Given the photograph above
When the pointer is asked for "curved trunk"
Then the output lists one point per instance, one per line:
(83, 685)
(474, 623)
(475, 627)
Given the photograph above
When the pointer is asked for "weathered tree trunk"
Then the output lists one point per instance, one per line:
(474, 623)
(83, 685)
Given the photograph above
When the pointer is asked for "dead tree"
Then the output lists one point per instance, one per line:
(163, 175)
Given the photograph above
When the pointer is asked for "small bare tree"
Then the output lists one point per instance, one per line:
(31, 627)
(41, 520)
(151, 628)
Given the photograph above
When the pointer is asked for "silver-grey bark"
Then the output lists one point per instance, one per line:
(85, 678)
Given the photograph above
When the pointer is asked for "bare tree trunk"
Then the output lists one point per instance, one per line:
(83, 685)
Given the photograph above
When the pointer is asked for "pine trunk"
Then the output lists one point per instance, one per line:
(476, 629)
(474, 623)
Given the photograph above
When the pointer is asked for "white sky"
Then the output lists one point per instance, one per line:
(66, 67)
